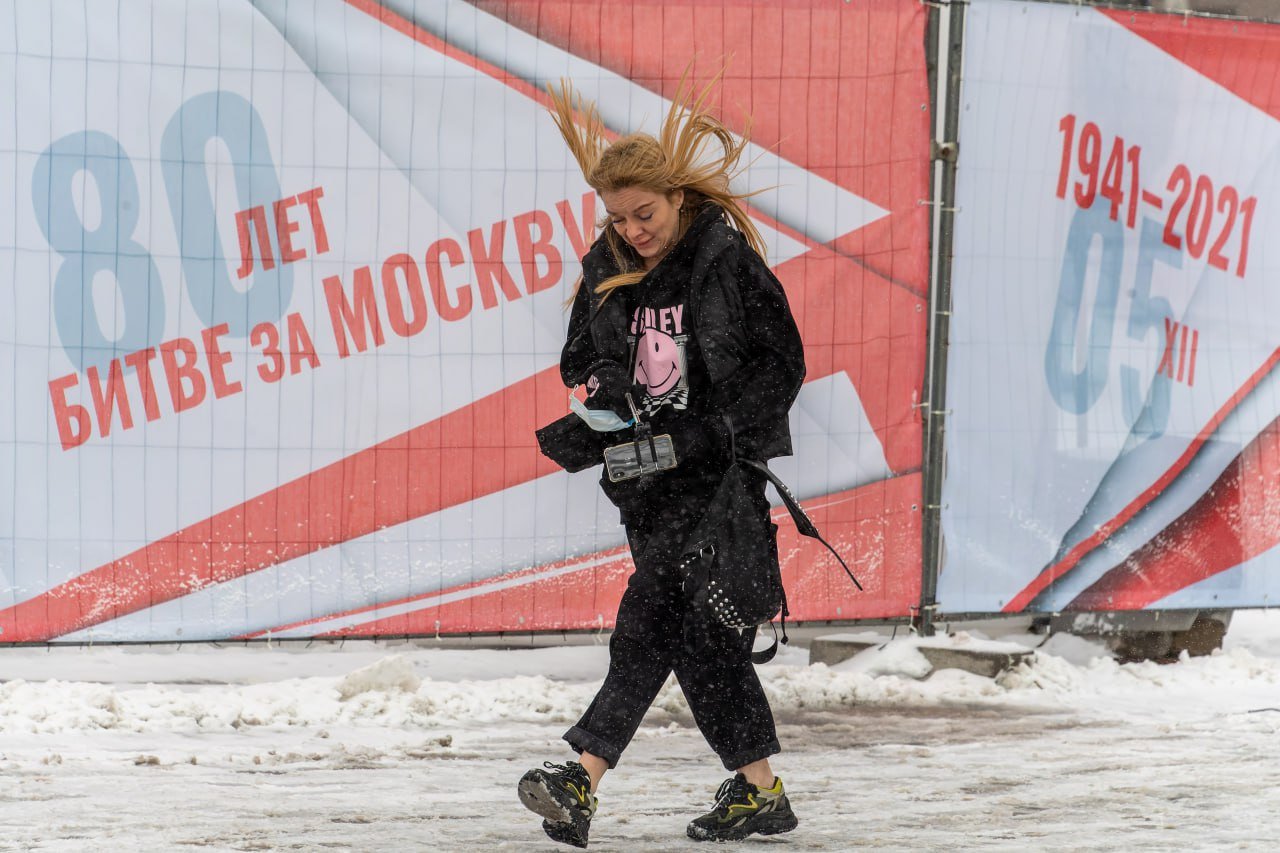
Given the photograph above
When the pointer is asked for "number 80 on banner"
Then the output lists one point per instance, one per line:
(110, 245)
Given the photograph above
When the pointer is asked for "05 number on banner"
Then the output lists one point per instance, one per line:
(1076, 391)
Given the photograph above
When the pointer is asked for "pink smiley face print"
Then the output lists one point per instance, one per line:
(657, 362)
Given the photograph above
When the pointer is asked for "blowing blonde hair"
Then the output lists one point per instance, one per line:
(678, 159)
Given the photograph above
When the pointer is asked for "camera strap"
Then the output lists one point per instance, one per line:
(644, 432)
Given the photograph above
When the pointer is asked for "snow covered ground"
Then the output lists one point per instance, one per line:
(394, 748)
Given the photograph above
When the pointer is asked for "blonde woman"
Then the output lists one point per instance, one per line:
(679, 323)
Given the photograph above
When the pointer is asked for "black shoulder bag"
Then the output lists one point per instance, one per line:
(730, 565)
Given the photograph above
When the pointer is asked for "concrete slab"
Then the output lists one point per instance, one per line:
(984, 658)
(832, 651)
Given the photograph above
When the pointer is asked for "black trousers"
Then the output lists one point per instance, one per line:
(650, 641)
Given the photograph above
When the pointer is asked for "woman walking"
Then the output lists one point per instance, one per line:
(677, 328)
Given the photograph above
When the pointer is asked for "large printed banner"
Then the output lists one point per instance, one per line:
(285, 290)
(1114, 441)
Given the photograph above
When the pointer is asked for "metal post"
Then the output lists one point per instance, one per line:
(946, 151)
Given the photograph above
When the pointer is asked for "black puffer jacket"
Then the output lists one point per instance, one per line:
(745, 334)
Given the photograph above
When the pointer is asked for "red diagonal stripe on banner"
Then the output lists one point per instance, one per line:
(485, 447)
(614, 563)
(1076, 554)
(401, 25)
(1239, 56)
(875, 526)
(1237, 519)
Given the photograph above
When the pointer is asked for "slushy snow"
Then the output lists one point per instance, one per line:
(365, 746)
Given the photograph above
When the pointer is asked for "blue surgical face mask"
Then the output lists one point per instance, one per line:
(600, 420)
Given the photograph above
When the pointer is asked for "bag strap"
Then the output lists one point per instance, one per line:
(803, 523)
(766, 655)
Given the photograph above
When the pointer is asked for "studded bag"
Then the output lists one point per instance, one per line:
(730, 564)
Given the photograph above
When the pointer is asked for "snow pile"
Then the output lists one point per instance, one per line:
(889, 678)
(393, 674)
(381, 695)
(895, 658)
(1234, 679)
(476, 687)
(391, 693)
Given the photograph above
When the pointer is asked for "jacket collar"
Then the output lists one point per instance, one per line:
(682, 253)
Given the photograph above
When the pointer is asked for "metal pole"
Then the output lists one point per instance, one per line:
(946, 152)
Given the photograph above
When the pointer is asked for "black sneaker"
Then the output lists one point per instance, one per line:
(742, 809)
(562, 795)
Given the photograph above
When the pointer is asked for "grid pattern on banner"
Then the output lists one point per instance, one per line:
(1112, 375)
(287, 302)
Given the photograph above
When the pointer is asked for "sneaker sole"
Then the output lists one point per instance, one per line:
(779, 825)
(565, 833)
(765, 825)
(541, 800)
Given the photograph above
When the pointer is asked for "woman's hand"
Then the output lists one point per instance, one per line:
(607, 388)
(705, 440)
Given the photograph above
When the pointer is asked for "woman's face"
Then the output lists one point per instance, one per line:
(648, 221)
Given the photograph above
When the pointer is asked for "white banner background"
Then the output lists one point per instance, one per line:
(1049, 438)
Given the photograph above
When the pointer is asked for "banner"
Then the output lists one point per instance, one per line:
(1113, 440)
(287, 288)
